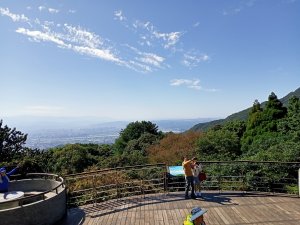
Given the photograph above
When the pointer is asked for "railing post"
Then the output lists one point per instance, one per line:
(94, 190)
(117, 185)
(166, 180)
(299, 182)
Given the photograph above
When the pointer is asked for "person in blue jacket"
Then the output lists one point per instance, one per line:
(4, 178)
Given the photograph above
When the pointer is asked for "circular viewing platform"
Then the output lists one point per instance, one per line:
(228, 208)
(38, 199)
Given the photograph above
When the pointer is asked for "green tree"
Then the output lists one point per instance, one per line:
(134, 131)
(11, 143)
(71, 158)
(218, 145)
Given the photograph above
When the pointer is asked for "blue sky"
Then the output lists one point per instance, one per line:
(145, 60)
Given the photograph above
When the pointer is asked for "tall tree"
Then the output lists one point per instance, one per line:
(134, 131)
(11, 142)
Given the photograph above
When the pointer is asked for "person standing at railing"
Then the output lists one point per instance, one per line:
(197, 168)
(189, 178)
(4, 178)
(195, 217)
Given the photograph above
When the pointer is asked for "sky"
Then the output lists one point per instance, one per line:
(145, 60)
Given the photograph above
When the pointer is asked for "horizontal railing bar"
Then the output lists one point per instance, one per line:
(118, 168)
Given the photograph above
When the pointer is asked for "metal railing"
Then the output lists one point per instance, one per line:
(246, 176)
(114, 183)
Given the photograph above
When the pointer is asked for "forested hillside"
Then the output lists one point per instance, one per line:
(242, 115)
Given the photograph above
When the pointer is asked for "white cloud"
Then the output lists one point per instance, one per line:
(139, 67)
(41, 8)
(152, 59)
(99, 53)
(119, 15)
(81, 36)
(192, 59)
(14, 17)
(238, 8)
(40, 36)
(149, 59)
(59, 40)
(170, 38)
(148, 34)
(51, 10)
(72, 11)
(196, 24)
(195, 84)
(88, 43)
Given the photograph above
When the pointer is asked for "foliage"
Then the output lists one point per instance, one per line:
(132, 136)
(75, 158)
(173, 147)
(11, 143)
(219, 144)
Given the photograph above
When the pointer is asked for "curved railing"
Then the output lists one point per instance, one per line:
(114, 183)
(41, 195)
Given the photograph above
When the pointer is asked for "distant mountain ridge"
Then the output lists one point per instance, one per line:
(242, 115)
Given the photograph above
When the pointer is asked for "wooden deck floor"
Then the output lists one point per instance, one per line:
(223, 208)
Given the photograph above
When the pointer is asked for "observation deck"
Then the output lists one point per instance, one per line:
(234, 193)
(43, 201)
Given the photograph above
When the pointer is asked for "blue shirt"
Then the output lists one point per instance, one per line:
(5, 181)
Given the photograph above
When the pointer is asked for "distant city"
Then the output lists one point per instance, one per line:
(45, 133)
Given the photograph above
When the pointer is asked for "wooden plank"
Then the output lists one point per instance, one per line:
(224, 208)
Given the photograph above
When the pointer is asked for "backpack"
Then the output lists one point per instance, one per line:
(202, 176)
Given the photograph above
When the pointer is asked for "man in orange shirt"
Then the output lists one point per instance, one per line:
(189, 178)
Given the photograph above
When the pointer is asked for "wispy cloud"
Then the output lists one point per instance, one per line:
(95, 52)
(76, 39)
(119, 15)
(192, 59)
(40, 36)
(85, 42)
(41, 8)
(168, 39)
(147, 58)
(152, 59)
(193, 84)
(196, 24)
(148, 33)
(72, 11)
(14, 17)
(238, 8)
(51, 10)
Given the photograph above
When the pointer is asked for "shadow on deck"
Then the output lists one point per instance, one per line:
(223, 208)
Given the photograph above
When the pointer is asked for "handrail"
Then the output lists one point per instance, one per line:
(249, 161)
(96, 186)
(115, 169)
